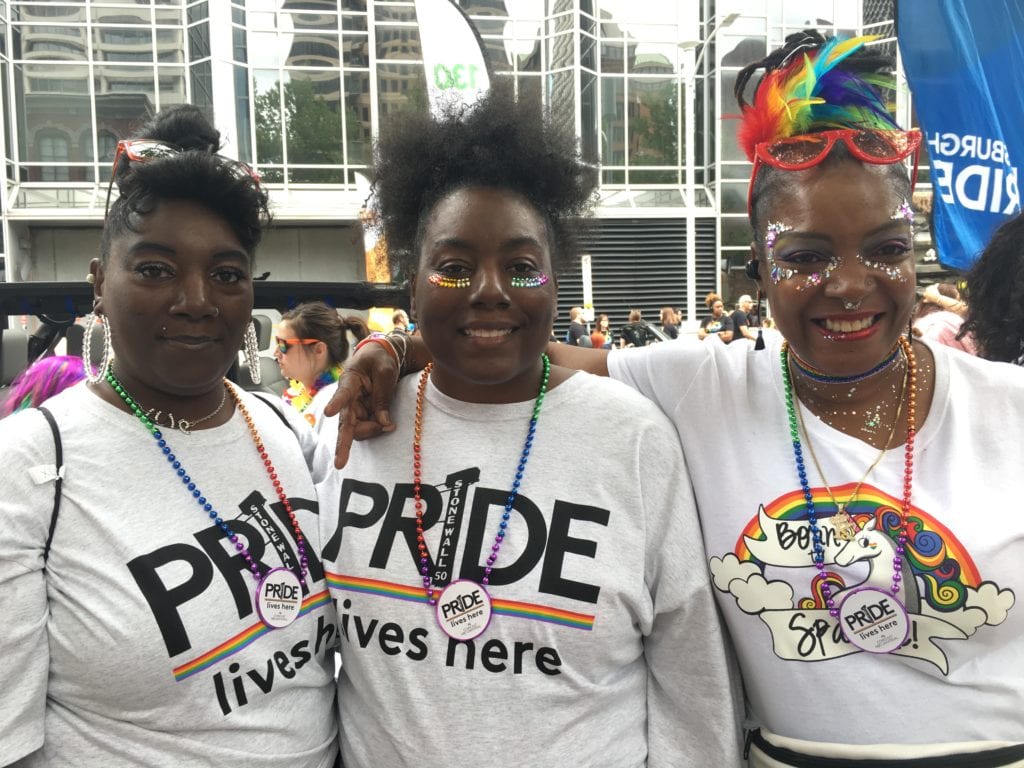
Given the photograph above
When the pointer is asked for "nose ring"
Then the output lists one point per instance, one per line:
(850, 305)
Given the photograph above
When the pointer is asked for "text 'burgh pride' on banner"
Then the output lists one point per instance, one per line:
(963, 59)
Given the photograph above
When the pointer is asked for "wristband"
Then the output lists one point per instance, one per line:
(382, 339)
(400, 343)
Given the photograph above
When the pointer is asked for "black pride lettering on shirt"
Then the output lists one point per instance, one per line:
(268, 535)
(366, 505)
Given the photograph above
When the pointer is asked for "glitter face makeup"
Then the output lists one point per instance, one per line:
(892, 271)
(535, 281)
(772, 231)
(436, 278)
(904, 211)
(779, 273)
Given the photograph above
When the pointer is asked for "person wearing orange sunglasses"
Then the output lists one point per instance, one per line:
(311, 346)
(868, 567)
(162, 596)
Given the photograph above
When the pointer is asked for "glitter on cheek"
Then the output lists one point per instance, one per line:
(441, 281)
(891, 271)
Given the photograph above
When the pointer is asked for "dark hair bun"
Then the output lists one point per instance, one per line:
(182, 125)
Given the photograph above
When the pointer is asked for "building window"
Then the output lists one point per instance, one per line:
(53, 148)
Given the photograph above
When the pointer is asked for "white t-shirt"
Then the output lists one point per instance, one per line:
(137, 642)
(605, 648)
(960, 675)
(314, 413)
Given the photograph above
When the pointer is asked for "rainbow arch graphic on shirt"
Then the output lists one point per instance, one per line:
(933, 551)
(534, 611)
(246, 637)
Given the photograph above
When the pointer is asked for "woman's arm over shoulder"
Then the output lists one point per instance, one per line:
(26, 506)
(593, 361)
(664, 372)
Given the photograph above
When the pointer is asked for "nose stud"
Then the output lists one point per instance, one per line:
(850, 305)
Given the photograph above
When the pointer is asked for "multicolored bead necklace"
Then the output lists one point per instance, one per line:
(198, 495)
(818, 554)
(516, 482)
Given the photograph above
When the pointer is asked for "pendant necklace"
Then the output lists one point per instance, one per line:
(279, 591)
(182, 425)
(842, 523)
(463, 607)
(871, 619)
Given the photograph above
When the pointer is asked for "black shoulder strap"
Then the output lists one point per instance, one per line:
(259, 396)
(59, 481)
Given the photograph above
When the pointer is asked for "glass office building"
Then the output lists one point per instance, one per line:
(299, 89)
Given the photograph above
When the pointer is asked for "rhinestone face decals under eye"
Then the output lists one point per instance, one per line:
(891, 271)
(779, 273)
(441, 281)
(894, 270)
(534, 281)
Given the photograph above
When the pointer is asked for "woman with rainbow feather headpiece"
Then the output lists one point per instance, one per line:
(869, 567)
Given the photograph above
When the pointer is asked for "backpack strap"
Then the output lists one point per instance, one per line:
(277, 412)
(58, 483)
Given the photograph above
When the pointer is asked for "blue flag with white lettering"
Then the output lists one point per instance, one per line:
(964, 60)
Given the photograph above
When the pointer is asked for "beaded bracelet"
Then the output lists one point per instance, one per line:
(384, 341)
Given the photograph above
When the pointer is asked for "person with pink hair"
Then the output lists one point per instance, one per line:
(41, 381)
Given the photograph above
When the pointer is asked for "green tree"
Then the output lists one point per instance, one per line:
(656, 127)
(311, 126)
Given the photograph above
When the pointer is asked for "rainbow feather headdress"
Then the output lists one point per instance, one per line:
(810, 94)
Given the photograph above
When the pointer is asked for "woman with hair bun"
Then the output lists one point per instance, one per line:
(160, 586)
(311, 346)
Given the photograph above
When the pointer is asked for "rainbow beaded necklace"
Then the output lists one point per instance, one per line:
(200, 498)
(509, 502)
(818, 547)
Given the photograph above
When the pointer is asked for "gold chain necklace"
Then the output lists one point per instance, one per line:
(843, 524)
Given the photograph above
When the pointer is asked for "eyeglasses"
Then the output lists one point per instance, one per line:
(283, 345)
(797, 153)
(142, 150)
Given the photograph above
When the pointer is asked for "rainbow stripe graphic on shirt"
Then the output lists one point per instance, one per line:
(415, 594)
(244, 638)
(933, 552)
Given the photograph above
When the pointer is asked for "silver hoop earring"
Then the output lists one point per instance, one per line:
(104, 366)
(252, 353)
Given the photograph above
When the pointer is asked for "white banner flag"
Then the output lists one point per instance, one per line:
(452, 58)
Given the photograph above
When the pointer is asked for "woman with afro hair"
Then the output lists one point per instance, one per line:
(498, 607)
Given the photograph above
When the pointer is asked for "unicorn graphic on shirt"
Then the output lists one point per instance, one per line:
(879, 550)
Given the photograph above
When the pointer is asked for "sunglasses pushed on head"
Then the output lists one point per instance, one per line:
(144, 150)
(798, 153)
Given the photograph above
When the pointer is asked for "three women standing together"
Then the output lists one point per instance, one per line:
(176, 611)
